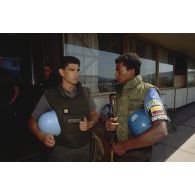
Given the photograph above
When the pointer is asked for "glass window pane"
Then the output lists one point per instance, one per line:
(191, 77)
(147, 53)
(165, 74)
(191, 73)
(20, 69)
(97, 53)
(148, 70)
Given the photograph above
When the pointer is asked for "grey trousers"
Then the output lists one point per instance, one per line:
(62, 154)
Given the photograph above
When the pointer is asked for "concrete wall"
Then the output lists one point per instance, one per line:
(175, 98)
(191, 95)
(167, 97)
(180, 97)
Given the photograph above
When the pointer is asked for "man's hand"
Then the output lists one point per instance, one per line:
(48, 140)
(85, 124)
(111, 124)
(119, 149)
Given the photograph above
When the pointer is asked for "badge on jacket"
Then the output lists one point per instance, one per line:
(65, 110)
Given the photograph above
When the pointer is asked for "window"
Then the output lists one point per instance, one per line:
(15, 55)
(165, 74)
(131, 44)
(191, 73)
(97, 53)
(180, 71)
(147, 53)
(18, 68)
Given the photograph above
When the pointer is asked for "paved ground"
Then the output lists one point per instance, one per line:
(179, 145)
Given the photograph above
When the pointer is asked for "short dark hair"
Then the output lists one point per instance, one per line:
(48, 65)
(131, 61)
(68, 60)
(112, 94)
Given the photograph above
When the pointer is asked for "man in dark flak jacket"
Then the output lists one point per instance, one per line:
(76, 112)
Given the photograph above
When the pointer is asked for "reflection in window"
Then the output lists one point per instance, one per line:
(18, 68)
(165, 74)
(147, 54)
(148, 70)
(191, 72)
(191, 77)
(11, 65)
(97, 69)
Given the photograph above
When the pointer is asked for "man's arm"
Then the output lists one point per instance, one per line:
(150, 137)
(47, 139)
(15, 94)
(93, 118)
(41, 107)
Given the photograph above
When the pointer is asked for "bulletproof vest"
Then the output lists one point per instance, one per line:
(130, 99)
(70, 111)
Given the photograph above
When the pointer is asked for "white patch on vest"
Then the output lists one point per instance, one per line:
(74, 120)
(65, 110)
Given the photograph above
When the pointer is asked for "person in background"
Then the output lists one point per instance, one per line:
(46, 80)
(107, 112)
(134, 94)
(9, 93)
(76, 112)
(9, 88)
(107, 109)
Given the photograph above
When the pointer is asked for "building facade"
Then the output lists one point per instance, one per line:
(168, 60)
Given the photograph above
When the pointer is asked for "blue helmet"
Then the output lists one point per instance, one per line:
(48, 123)
(138, 122)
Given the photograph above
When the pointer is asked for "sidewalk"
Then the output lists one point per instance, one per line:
(179, 145)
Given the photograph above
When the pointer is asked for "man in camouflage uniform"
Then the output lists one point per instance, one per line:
(133, 94)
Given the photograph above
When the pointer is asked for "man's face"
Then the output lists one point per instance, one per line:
(112, 98)
(47, 72)
(122, 74)
(70, 74)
